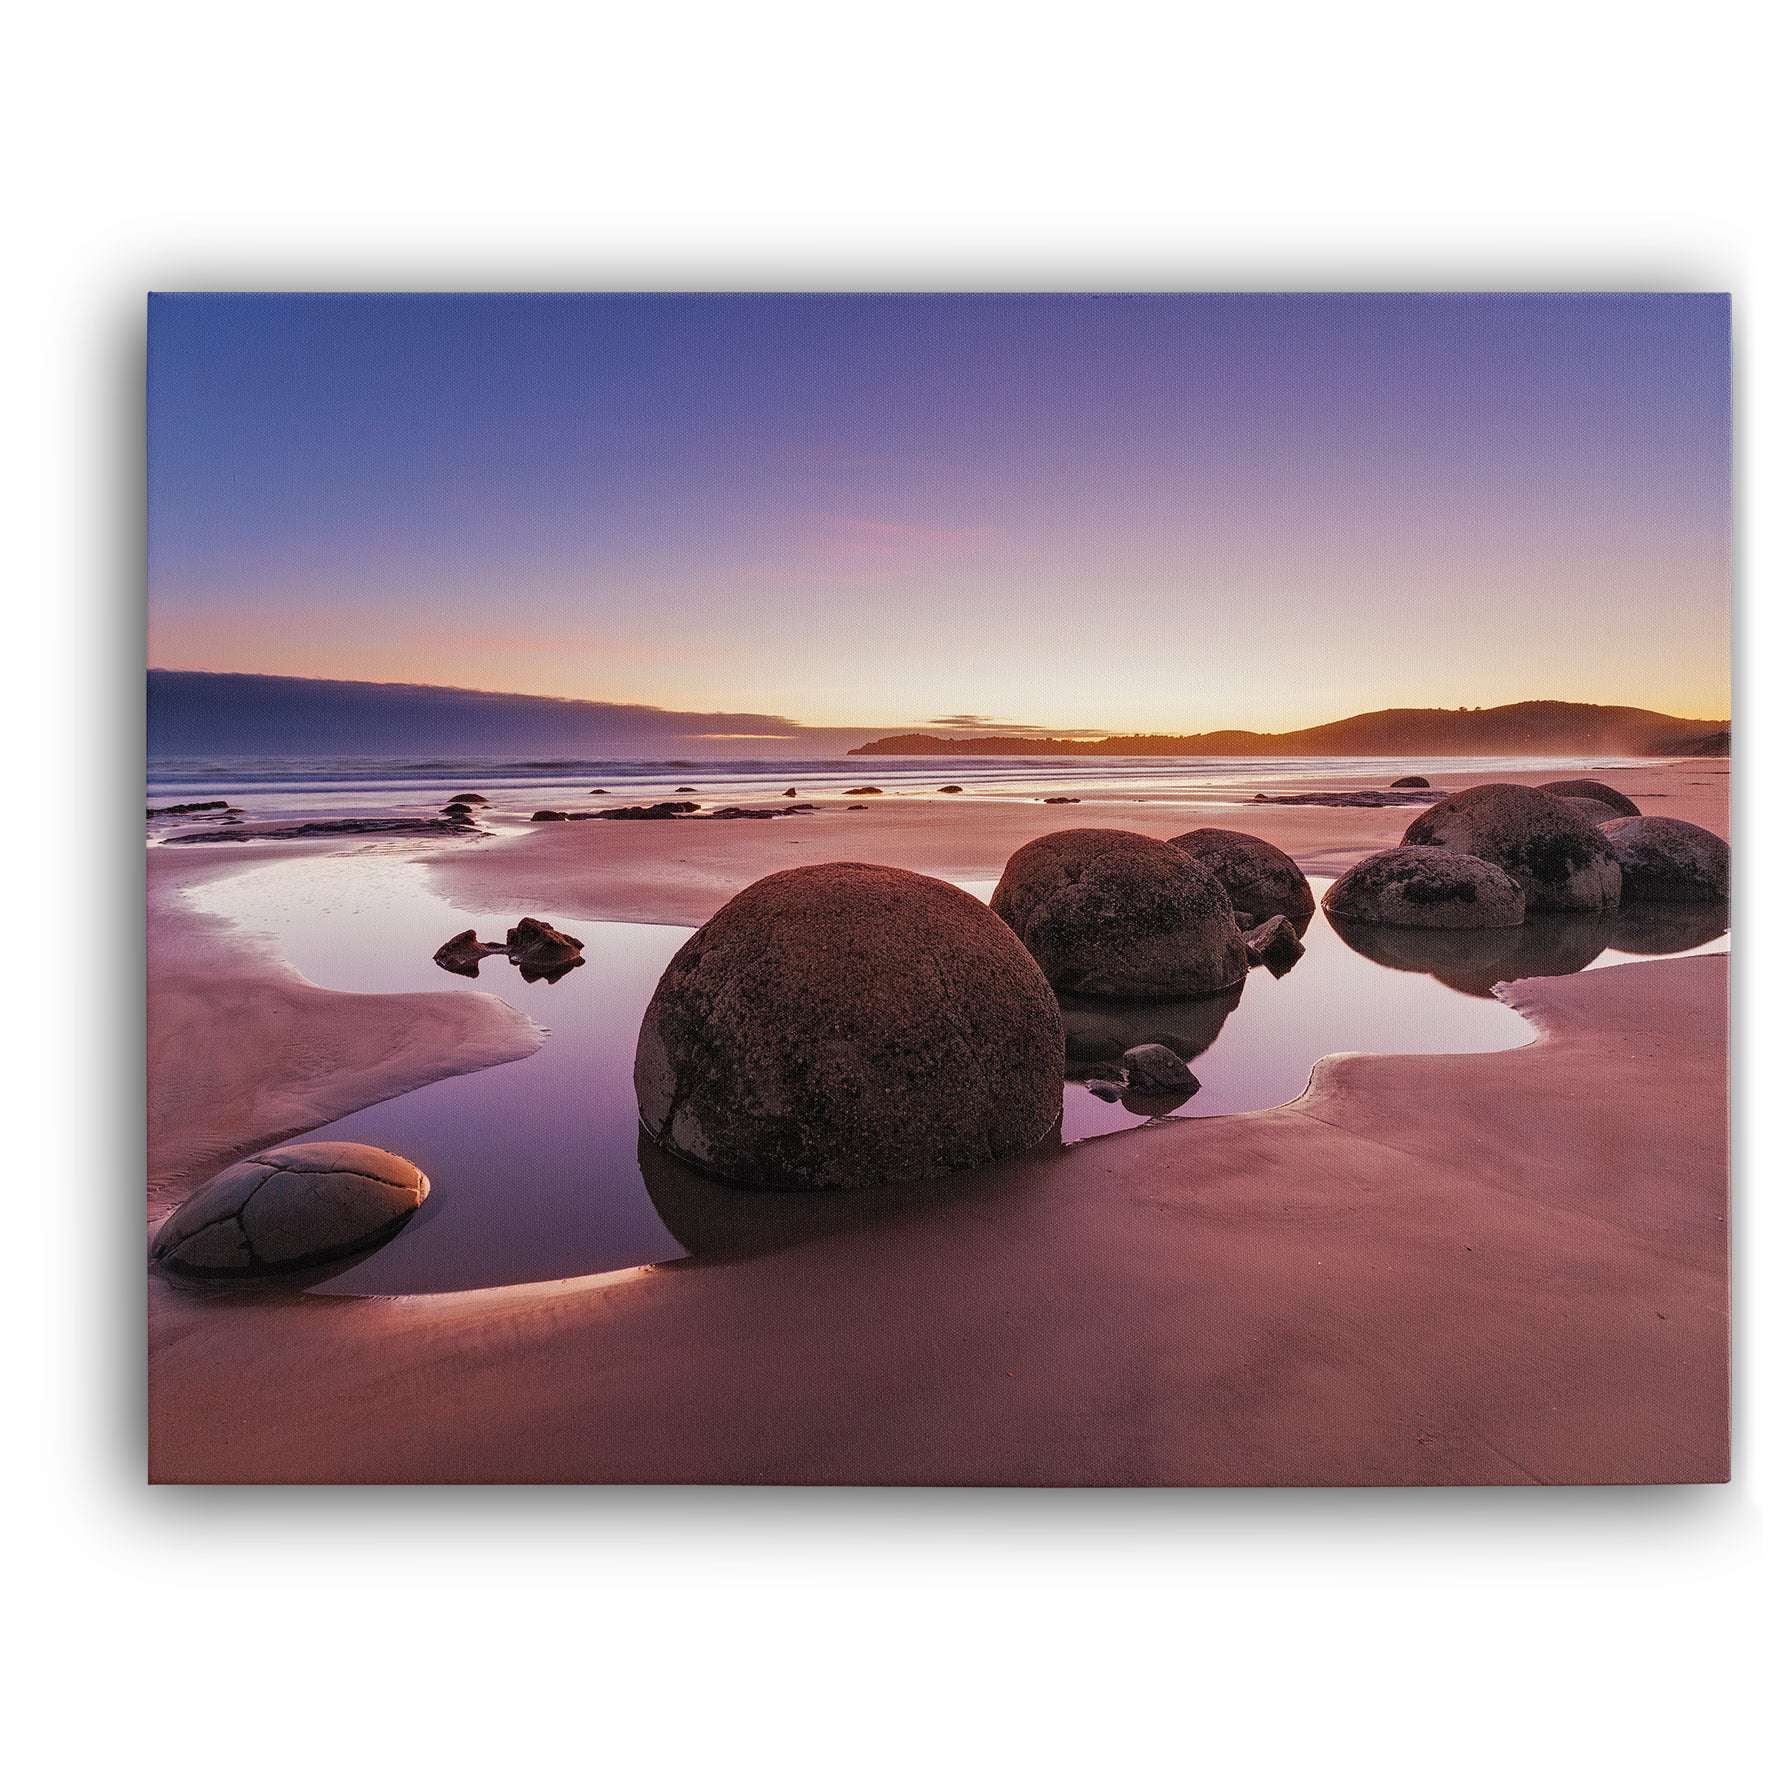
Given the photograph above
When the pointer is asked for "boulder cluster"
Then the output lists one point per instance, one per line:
(1487, 857)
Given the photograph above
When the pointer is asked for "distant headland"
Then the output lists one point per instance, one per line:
(1526, 729)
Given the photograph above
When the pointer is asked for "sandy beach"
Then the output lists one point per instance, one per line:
(1504, 1267)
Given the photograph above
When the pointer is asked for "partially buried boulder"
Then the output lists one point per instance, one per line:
(1563, 863)
(1114, 915)
(1260, 879)
(1590, 790)
(1668, 860)
(1427, 886)
(848, 1025)
(289, 1209)
(1411, 783)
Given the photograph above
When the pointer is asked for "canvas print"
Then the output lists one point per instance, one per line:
(1016, 890)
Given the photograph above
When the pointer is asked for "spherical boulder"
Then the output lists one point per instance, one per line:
(1668, 860)
(1260, 880)
(290, 1208)
(1113, 915)
(1590, 790)
(843, 1026)
(1563, 863)
(1429, 887)
(1411, 782)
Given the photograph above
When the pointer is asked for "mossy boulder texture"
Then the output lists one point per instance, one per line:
(1260, 880)
(1563, 863)
(1667, 860)
(1589, 789)
(1429, 887)
(1113, 915)
(844, 1026)
(290, 1209)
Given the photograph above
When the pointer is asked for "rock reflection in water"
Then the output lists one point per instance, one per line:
(712, 1219)
(1475, 963)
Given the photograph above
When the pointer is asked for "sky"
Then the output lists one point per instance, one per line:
(1077, 513)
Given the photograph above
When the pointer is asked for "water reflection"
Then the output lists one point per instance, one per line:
(1475, 963)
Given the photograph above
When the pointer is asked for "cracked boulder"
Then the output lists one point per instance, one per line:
(1562, 862)
(844, 1026)
(1114, 915)
(1428, 887)
(1669, 860)
(1261, 880)
(290, 1209)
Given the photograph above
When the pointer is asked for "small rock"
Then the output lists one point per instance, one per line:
(541, 952)
(1275, 944)
(950, 789)
(549, 814)
(468, 796)
(864, 790)
(1155, 1071)
(685, 790)
(1053, 799)
(789, 792)
(462, 954)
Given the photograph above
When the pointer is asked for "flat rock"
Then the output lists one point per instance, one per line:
(1114, 915)
(1429, 887)
(289, 1209)
(1260, 879)
(1669, 860)
(845, 1026)
(1563, 863)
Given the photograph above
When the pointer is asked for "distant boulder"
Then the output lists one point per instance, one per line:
(950, 789)
(1114, 915)
(1591, 790)
(1053, 799)
(863, 790)
(1563, 863)
(1260, 879)
(1426, 886)
(468, 796)
(290, 1209)
(844, 1026)
(1411, 783)
(549, 814)
(1669, 860)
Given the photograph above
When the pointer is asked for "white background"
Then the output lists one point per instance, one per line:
(192, 146)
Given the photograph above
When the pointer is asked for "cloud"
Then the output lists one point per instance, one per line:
(992, 723)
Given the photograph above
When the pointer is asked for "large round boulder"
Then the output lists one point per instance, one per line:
(1113, 915)
(289, 1209)
(1563, 863)
(1261, 881)
(1667, 860)
(1589, 789)
(1427, 886)
(849, 1025)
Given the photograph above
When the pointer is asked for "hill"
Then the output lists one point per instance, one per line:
(1513, 728)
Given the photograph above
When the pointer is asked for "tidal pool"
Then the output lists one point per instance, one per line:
(537, 1167)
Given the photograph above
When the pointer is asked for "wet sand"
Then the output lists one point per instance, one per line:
(1508, 1267)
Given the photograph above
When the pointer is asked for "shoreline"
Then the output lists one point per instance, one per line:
(1150, 1308)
